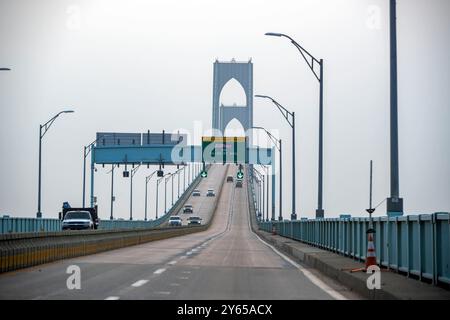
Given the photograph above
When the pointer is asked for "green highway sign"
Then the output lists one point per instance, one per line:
(224, 149)
(204, 174)
(240, 175)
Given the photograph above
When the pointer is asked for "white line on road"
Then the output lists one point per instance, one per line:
(319, 283)
(172, 262)
(159, 271)
(112, 298)
(163, 292)
(139, 283)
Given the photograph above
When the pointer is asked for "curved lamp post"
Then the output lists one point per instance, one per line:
(43, 128)
(290, 118)
(147, 179)
(278, 145)
(311, 61)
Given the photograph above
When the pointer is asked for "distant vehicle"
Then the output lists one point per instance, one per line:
(67, 224)
(175, 221)
(210, 193)
(230, 179)
(194, 220)
(77, 220)
(239, 184)
(196, 193)
(188, 208)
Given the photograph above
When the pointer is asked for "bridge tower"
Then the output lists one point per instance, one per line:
(242, 72)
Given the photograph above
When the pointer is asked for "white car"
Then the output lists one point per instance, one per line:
(77, 220)
(175, 221)
(194, 220)
(196, 193)
(210, 193)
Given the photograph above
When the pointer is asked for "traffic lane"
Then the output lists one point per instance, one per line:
(105, 274)
(238, 247)
(202, 205)
(234, 265)
(227, 283)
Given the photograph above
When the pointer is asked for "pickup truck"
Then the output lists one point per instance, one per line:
(79, 218)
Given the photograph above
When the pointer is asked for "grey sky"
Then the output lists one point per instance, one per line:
(130, 66)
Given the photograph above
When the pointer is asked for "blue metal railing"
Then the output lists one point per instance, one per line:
(19, 225)
(9, 225)
(417, 245)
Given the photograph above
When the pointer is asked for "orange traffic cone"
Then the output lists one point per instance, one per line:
(371, 259)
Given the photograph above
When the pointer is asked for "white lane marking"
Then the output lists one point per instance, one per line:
(194, 250)
(183, 278)
(173, 262)
(174, 284)
(163, 292)
(159, 271)
(183, 257)
(139, 283)
(188, 253)
(112, 298)
(319, 283)
(186, 272)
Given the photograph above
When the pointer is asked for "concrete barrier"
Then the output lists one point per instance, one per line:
(25, 250)
(22, 250)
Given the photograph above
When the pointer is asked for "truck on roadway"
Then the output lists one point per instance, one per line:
(78, 218)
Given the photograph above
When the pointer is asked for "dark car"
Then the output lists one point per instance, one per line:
(196, 193)
(188, 208)
(210, 193)
(239, 184)
(229, 179)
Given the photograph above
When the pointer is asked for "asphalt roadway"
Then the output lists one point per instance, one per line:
(227, 261)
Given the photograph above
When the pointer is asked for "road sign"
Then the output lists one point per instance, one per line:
(204, 174)
(240, 175)
(224, 149)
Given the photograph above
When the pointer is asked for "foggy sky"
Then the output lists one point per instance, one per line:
(129, 66)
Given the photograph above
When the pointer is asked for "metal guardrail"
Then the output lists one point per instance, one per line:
(21, 250)
(10, 224)
(415, 245)
(21, 225)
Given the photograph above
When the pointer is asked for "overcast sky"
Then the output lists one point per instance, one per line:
(129, 66)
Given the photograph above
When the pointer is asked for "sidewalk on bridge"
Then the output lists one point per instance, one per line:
(393, 285)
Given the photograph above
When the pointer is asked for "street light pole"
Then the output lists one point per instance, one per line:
(290, 118)
(278, 145)
(178, 176)
(147, 179)
(184, 178)
(394, 203)
(312, 62)
(111, 217)
(43, 128)
(87, 150)
(157, 192)
(165, 192)
(133, 172)
(267, 191)
(171, 182)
